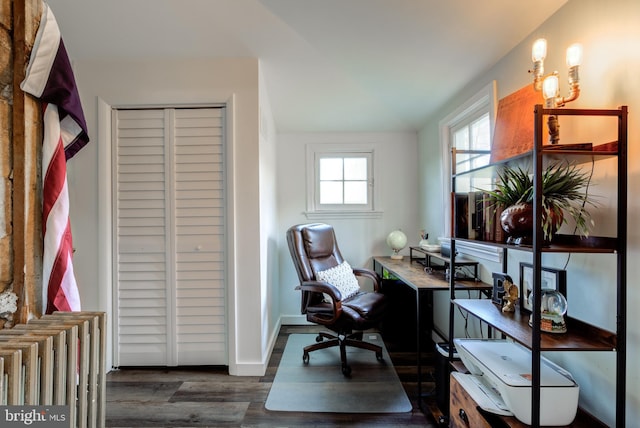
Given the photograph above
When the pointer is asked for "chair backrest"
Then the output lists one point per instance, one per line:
(313, 248)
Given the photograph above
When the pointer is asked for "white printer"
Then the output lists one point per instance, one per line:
(500, 375)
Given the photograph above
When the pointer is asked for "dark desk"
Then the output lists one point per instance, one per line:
(412, 274)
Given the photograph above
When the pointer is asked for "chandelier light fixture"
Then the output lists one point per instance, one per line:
(549, 84)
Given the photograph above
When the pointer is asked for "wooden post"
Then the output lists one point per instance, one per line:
(27, 159)
(6, 103)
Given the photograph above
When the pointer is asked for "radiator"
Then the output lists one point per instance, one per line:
(58, 359)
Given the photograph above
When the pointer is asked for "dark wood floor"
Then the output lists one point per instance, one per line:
(209, 397)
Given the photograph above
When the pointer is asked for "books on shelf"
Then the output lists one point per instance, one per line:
(461, 215)
(475, 222)
(499, 234)
(477, 218)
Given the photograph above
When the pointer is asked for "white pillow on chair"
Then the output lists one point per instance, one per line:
(342, 278)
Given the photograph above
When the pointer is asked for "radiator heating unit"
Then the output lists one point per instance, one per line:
(58, 359)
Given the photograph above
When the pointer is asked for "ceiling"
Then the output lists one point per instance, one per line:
(328, 65)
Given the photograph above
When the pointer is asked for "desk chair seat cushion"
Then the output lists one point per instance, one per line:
(366, 308)
(341, 277)
(361, 311)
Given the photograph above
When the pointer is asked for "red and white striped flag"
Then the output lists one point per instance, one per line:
(49, 77)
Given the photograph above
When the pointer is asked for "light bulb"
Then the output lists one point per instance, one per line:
(574, 55)
(550, 87)
(539, 50)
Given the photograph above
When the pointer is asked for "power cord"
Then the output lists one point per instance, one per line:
(465, 317)
(584, 202)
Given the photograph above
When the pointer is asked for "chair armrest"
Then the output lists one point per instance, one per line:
(321, 287)
(373, 276)
(330, 290)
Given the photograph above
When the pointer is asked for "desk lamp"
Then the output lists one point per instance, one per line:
(549, 84)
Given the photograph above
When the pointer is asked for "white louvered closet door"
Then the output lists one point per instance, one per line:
(169, 237)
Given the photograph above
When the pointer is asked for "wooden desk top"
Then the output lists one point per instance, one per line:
(413, 274)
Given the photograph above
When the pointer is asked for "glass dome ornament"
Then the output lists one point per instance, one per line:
(397, 240)
(553, 307)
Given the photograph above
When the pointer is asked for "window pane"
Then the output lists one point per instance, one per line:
(474, 136)
(331, 169)
(355, 192)
(480, 160)
(462, 163)
(355, 168)
(482, 183)
(463, 185)
(461, 139)
(480, 140)
(480, 134)
(330, 192)
(461, 142)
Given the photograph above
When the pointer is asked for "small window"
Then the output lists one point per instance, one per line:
(340, 180)
(343, 180)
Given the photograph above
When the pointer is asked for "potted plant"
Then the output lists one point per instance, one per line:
(564, 190)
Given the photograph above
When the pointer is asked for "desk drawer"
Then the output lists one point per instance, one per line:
(463, 410)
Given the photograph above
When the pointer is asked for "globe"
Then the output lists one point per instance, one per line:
(397, 240)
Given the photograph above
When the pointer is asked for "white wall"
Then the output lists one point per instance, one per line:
(359, 239)
(186, 82)
(610, 35)
(270, 308)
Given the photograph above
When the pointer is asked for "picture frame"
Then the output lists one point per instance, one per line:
(555, 279)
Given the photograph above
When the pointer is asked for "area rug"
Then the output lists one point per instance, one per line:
(319, 386)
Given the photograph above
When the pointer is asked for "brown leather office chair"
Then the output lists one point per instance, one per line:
(318, 262)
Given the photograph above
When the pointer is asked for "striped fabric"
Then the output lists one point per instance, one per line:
(49, 77)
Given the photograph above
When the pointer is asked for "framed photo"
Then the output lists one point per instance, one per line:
(555, 279)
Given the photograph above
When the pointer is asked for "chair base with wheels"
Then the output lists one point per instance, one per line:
(353, 339)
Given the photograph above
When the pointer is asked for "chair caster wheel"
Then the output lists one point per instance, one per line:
(305, 358)
(346, 370)
(319, 338)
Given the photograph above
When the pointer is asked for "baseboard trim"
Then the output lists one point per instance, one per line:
(259, 369)
(294, 320)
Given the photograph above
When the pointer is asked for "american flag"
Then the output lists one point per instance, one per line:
(49, 77)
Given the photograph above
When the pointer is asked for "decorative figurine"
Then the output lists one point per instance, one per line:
(510, 296)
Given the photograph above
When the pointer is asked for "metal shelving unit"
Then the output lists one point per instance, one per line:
(581, 336)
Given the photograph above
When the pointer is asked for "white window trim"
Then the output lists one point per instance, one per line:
(483, 100)
(313, 212)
